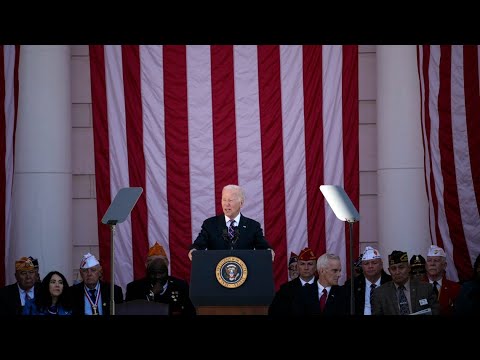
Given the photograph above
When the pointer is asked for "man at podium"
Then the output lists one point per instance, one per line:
(231, 230)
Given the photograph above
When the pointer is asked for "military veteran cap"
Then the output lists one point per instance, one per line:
(24, 264)
(397, 257)
(306, 254)
(293, 258)
(88, 261)
(434, 250)
(156, 250)
(370, 253)
(417, 264)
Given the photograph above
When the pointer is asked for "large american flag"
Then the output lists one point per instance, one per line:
(449, 83)
(183, 121)
(9, 59)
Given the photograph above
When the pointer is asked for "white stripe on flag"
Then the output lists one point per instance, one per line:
(248, 130)
(117, 137)
(151, 61)
(294, 148)
(200, 135)
(333, 146)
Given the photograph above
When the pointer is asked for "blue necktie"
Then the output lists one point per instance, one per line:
(92, 294)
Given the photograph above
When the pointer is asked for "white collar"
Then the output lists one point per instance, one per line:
(31, 291)
(237, 219)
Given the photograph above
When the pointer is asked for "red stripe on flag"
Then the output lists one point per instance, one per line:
(472, 112)
(223, 116)
(134, 130)
(350, 137)
(270, 101)
(430, 177)
(3, 147)
(313, 113)
(450, 193)
(102, 151)
(177, 157)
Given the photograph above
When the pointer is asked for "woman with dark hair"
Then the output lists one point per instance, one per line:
(468, 301)
(54, 297)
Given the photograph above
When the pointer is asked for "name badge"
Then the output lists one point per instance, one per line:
(423, 302)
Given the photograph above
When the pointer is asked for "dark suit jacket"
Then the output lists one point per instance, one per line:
(385, 301)
(282, 302)
(307, 302)
(10, 303)
(212, 237)
(78, 297)
(359, 291)
(176, 295)
(468, 299)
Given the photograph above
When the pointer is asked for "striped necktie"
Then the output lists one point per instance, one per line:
(231, 229)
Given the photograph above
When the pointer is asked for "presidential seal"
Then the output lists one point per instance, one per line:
(231, 272)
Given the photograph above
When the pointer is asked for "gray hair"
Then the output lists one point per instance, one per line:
(238, 189)
(322, 262)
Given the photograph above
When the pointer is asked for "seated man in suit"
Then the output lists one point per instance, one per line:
(307, 266)
(15, 296)
(324, 297)
(158, 286)
(231, 230)
(371, 277)
(445, 290)
(92, 296)
(402, 295)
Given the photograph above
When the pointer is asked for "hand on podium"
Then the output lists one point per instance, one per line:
(273, 254)
(190, 254)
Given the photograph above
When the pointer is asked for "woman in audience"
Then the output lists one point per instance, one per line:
(54, 297)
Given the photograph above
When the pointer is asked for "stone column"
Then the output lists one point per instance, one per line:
(42, 190)
(402, 199)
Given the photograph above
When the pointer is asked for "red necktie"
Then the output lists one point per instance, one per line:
(323, 299)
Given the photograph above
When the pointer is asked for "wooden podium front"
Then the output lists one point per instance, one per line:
(232, 310)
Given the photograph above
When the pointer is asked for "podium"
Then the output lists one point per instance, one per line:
(142, 307)
(232, 282)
